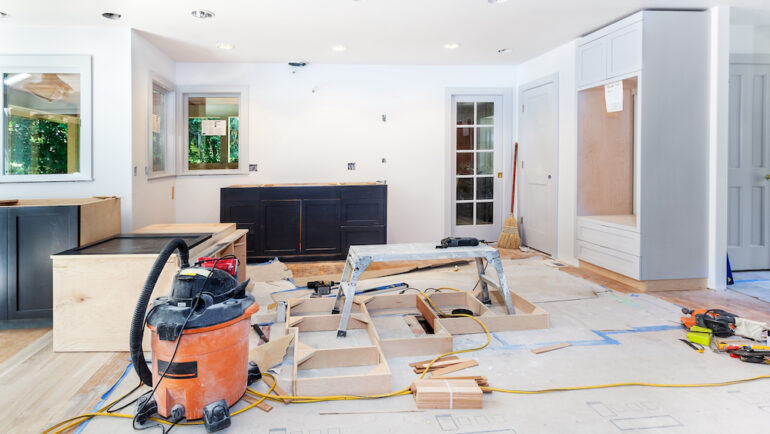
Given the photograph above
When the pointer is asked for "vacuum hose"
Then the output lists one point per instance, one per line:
(137, 323)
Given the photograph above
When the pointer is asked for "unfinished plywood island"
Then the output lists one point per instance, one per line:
(95, 288)
(642, 172)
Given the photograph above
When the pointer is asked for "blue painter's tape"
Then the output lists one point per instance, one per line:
(272, 261)
(604, 335)
(752, 280)
(105, 396)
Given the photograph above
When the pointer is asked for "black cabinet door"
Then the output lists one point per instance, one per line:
(244, 215)
(4, 264)
(281, 227)
(321, 226)
(34, 234)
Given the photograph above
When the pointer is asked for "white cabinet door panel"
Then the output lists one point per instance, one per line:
(591, 62)
(624, 51)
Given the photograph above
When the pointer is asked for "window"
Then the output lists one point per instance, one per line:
(46, 118)
(161, 126)
(213, 132)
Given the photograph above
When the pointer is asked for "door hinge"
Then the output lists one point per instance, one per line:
(522, 164)
(522, 108)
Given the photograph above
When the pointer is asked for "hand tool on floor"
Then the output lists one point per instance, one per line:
(751, 356)
(200, 342)
(257, 328)
(458, 242)
(509, 236)
(721, 323)
(695, 346)
(321, 287)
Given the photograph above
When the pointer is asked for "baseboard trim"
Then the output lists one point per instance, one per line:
(648, 285)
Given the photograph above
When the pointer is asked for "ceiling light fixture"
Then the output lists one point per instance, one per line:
(225, 46)
(111, 15)
(497, 1)
(202, 14)
(339, 48)
(505, 51)
(451, 45)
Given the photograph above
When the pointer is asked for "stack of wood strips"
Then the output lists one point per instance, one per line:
(443, 366)
(447, 394)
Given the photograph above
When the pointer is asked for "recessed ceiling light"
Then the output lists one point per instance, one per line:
(339, 48)
(505, 51)
(451, 45)
(497, 1)
(111, 15)
(225, 46)
(202, 14)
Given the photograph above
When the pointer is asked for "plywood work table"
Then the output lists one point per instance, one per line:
(359, 257)
(94, 295)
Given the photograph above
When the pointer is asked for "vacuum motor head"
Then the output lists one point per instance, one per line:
(221, 299)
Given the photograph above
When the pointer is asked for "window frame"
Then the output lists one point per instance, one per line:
(79, 64)
(183, 96)
(170, 112)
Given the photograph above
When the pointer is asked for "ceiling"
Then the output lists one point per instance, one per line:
(373, 31)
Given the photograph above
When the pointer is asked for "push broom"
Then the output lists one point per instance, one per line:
(509, 237)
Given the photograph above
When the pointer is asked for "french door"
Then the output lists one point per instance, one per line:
(476, 176)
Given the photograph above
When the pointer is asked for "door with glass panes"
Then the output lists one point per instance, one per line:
(476, 161)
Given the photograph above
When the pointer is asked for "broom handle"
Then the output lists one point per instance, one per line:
(513, 189)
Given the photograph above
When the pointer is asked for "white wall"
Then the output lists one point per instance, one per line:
(561, 60)
(298, 135)
(110, 48)
(746, 38)
(152, 198)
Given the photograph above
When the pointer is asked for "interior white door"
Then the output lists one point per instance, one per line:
(539, 148)
(477, 137)
(748, 194)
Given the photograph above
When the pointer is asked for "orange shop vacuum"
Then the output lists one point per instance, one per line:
(200, 342)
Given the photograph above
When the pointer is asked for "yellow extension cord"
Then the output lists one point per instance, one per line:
(75, 421)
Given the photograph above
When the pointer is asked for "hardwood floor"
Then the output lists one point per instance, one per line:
(41, 387)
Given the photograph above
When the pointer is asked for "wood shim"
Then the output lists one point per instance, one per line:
(550, 348)
(422, 362)
(262, 405)
(449, 394)
(456, 367)
(277, 391)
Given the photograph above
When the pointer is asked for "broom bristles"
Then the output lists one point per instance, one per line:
(509, 236)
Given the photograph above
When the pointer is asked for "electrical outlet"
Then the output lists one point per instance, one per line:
(351, 166)
(252, 167)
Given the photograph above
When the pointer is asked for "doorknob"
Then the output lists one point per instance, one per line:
(767, 176)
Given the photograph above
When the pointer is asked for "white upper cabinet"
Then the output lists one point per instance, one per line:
(614, 51)
(592, 62)
(624, 51)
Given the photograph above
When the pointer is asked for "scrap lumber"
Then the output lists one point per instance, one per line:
(480, 380)
(456, 367)
(422, 362)
(414, 325)
(270, 354)
(550, 348)
(262, 405)
(277, 391)
(449, 394)
(438, 365)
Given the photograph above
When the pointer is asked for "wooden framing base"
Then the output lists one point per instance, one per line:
(648, 285)
(310, 314)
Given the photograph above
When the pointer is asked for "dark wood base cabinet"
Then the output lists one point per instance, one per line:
(306, 222)
(33, 230)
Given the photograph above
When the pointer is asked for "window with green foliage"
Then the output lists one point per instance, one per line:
(41, 123)
(213, 132)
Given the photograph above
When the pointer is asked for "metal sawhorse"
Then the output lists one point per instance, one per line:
(359, 257)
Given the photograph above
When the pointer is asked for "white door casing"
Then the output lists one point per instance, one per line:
(476, 193)
(537, 187)
(748, 192)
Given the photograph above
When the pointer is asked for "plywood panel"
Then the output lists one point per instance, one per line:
(605, 153)
(99, 220)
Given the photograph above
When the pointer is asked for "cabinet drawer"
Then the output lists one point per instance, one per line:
(609, 237)
(619, 262)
